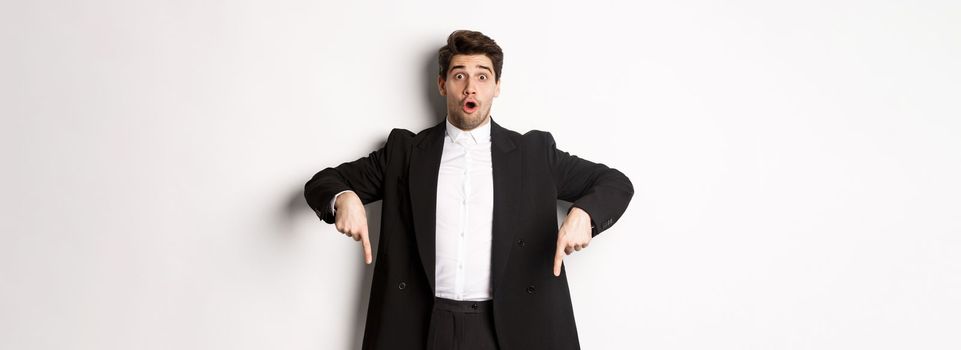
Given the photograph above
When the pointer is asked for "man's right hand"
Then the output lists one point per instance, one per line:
(351, 220)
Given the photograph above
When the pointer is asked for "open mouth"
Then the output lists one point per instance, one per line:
(470, 106)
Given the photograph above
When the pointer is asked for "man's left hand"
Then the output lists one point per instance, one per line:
(574, 235)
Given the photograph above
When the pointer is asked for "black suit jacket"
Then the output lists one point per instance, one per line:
(532, 307)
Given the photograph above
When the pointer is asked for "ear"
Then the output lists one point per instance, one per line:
(440, 85)
(497, 88)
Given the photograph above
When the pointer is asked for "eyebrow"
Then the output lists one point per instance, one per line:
(462, 67)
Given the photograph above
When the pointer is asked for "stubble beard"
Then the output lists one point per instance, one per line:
(466, 121)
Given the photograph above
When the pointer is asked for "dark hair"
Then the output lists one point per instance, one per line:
(468, 42)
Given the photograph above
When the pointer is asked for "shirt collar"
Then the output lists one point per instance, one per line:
(480, 134)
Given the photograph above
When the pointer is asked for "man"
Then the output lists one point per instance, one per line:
(470, 255)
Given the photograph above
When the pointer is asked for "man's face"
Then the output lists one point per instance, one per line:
(470, 90)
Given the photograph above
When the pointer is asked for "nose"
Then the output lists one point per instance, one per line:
(469, 88)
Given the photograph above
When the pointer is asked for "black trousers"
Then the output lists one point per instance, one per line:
(462, 325)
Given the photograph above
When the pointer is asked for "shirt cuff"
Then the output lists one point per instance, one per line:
(333, 211)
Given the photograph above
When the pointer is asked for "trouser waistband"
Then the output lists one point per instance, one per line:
(463, 306)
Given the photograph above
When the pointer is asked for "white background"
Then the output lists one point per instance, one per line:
(796, 165)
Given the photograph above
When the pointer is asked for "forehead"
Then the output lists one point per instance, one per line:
(471, 62)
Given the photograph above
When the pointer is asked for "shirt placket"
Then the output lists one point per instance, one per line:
(464, 217)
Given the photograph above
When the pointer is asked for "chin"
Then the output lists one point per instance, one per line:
(466, 121)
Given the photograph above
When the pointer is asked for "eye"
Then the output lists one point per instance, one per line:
(459, 76)
(483, 77)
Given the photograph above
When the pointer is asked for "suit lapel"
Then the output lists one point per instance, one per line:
(424, 166)
(507, 173)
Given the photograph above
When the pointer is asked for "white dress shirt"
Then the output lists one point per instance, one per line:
(465, 209)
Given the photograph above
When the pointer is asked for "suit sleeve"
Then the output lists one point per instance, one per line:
(599, 190)
(364, 176)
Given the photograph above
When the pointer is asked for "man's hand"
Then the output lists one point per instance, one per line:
(574, 235)
(351, 220)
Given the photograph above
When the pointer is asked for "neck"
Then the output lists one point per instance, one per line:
(465, 127)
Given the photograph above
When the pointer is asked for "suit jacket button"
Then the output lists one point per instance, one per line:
(402, 285)
(521, 243)
(473, 306)
(531, 290)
